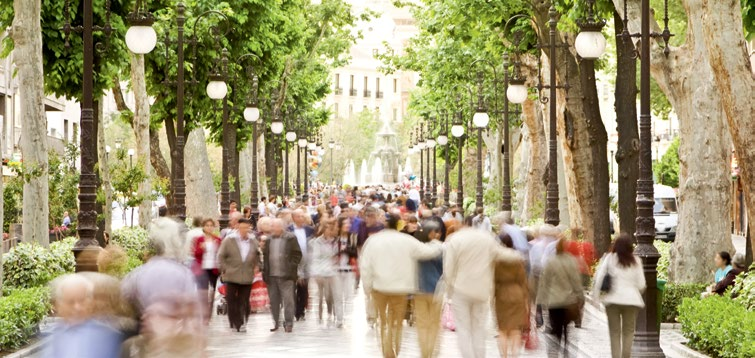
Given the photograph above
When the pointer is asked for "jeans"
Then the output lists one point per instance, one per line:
(281, 292)
(427, 310)
(621, 324)
(470, 316)
(391, 309)
(237, 296)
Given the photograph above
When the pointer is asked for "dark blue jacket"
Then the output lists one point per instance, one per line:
(429, 274)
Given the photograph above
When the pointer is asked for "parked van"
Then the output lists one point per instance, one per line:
(665, 212)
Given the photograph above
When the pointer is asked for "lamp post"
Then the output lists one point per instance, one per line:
(252, 116)
(302, 145)
(331, 145)
(457, 130)
(480, 121)
(443, 141)
(646, 337)
(276, 127)
(131, 158)
(290, 138)
(217, 89)
(311, 146)
(431, 143)
(421, 146)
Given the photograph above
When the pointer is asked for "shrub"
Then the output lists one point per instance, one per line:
(718, 327)
(673, 297)
(664, 248)
(20, 313)
(744, 289)
(31, 265)
(134, 240)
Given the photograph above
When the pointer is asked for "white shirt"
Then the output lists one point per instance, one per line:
(414, 195)
(244, 245)
(388, 262)
(301, 238)
(210, 253)
(627, 283)
(470, 259)
(272, 209)
(261, 208)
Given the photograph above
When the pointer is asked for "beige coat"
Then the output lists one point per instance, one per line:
(232, 269)
(560, 283)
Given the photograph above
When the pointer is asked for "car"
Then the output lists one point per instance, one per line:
(665, 212)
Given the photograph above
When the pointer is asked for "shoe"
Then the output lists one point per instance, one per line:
(242, 329)
(339, 325)
(289, 329)
(274, 329)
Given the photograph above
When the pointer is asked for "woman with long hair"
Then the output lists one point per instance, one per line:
(511, 302)
(622, 298)
(205, 265)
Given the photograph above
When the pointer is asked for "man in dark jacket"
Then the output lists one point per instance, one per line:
(282, 257)
(238, 256)
(303, 234)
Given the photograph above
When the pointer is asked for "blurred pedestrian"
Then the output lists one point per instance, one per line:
(468, 265)
(205, 266)
(428, 307)
(237, 259)
(323, 257)
(560, 292)
(304, 233)
(511, 303)
(280, 269)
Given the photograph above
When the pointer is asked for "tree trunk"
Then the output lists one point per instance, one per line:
(104, 170)
(533, 199)
(141, 131)
(262, 165)
(687, 79)
(159, 164)
(627, 153)
(245, 175)
(201, 199)
(27, 37)
(492, 141)
(732, 72)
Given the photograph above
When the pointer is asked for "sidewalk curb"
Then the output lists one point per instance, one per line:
(30, 350)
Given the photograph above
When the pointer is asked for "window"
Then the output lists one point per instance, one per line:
(395, 85)
(365, 83)
(338, 80)
(352, 90)
(378, 94)
(366, 91)
(65, 130)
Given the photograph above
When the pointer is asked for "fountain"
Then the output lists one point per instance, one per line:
(377, 172)
(350, 176)
(387, 154)
(363, 173)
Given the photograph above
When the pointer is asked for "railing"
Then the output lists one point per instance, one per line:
(352, 92)
(379, 94)
(367, 93)
(339, 91)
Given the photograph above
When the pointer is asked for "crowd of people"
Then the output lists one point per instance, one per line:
(412, 260)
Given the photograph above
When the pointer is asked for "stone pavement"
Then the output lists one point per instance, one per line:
(357, 339)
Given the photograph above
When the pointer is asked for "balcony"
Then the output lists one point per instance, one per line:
(352, 92)
(339, 91)
(367, 94)
(379, 94)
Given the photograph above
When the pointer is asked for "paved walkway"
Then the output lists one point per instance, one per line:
(356, 339)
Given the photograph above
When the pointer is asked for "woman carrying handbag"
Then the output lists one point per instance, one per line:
(619, 284)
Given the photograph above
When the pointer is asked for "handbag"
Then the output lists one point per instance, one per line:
(605, 285)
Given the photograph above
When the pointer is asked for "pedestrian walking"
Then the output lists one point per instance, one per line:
(389, 272)
(468, 265)
(622, 297)
(280, 269)
(304, 233)
(238, 257)
(347, 257)
(323, 257)
(205, 266)
(428, 307)
(511, 302)
(560, 292)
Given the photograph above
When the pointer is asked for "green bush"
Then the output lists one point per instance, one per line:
(664, 248)
(718, 326)
(31, 265)
(744, 289)
(20, 313)
(673, 297)
(134, 240)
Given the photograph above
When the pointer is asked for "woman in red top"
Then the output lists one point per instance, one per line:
(205, 266)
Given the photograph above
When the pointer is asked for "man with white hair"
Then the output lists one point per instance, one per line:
(233, 223)
(279, 271)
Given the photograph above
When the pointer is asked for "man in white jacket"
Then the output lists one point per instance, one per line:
(388, 265)
(470, 257)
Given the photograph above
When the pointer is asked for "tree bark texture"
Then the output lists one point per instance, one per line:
(492, 140)
(201, 199)
(579, 128)
(262, 165)
(732, 71)
(628, 147)
(533, 196)
(141, 131)
(687, 79)
(245, 175)
(104, 171)
(27, 36)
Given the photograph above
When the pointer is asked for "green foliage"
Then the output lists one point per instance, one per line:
(126, 177)
(666, 170)
(744, 289)
(134, 240)
(31, 265)
(20, 313)
(748, 19)
(664, 249)
(718, 326)
(13, 192)
(63, 184)
(673, 297)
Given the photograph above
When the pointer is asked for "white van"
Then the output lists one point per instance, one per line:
(665, 212)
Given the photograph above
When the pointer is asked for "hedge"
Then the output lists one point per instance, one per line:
(718, 326)
(673, 296)
(20, 313)
(31, 265)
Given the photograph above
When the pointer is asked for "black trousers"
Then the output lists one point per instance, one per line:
(559, 321)
(302, 297)
(237, 296)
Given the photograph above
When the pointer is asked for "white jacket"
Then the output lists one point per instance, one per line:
(388, 263)
(470, 260)
(627, 283)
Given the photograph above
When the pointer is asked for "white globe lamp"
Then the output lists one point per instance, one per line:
(590, 44)
(251, 113)
(442, 139)
(276, 127)
(141, 39)
(480, 119)
(216, 88)
(457, 130)
(291, 136)
(517, 91)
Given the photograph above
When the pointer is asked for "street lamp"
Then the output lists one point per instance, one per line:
(431, 143)
(457, 131)
(590, 43)
(130, 158)
(141, 38)
(214, 91)
(302, 142)
(252, 115)
(420, 147)
(646, 337)
(107, 151)
(443, 141)
(480, 120)
(289, 137)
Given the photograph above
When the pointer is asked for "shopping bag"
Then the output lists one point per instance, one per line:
(447, 319)
(530, 340)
